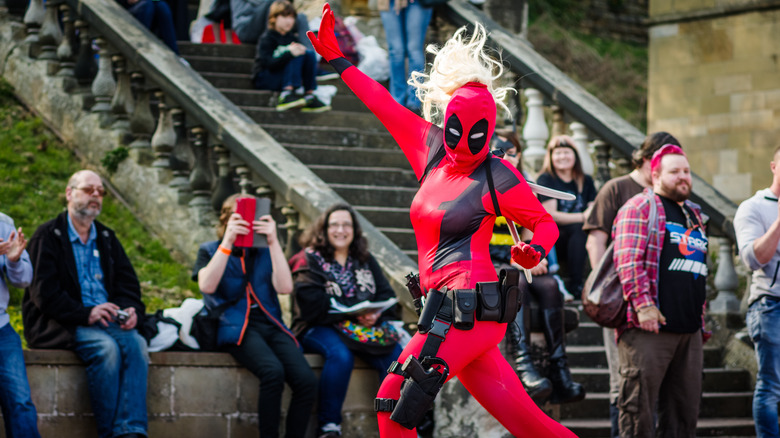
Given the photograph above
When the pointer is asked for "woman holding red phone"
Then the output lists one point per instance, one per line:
(461, 189)
(243, 284)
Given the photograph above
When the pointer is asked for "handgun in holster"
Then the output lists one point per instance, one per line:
(419, 389)
(413, 284)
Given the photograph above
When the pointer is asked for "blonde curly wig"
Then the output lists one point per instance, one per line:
(462, 59)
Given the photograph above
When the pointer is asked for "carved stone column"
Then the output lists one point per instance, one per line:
(558, 124)
(602, 162)
(725, 307)
(33, 18)
(85, 68)
(224, 185)
(623, 163)
(200, 177)
(181, 158)
(535, 132)
(122, 104)
(293, 233)
(65, 49)
(244, 179)
(104, 86)
(580, 135)
(164, 137)
(141, 121)
(50, 34)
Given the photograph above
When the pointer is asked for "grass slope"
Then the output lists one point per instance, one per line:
(34, 168)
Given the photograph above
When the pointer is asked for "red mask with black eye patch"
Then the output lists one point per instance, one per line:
(469, 122)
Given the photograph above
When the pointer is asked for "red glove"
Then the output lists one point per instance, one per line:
(325, 41)
(526, 255)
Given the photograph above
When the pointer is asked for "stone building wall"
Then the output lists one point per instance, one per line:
(618, 19)
(713, 82)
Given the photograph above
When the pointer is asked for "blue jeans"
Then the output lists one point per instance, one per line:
(301, 70)
(405, 33)
(337, 369)
(763, 321)
(21, 419)
(157, 17)
(117, 365)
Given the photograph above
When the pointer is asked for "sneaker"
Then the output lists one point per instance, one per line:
(314, 105)
(290, 101)
(330, 430)
(324, 75)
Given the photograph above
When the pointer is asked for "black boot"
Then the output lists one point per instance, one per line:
(564, 389)
(517, 336)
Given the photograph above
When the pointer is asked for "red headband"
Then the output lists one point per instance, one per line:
(665, 150)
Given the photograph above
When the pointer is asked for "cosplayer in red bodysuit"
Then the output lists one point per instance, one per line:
(453, 216)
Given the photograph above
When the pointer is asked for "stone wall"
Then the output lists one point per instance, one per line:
(617, 19)
(189, 395)
(714, 84)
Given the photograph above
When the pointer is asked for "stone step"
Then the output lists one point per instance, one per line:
(403, 237)
(588, 333)
(705, 427)
(267, 98)
(220, 64)
(386, 216)
(713, 405)
(592, 356)
(343, 156)
(243, 80)
(715, 379)
(362, 120)
(373, 195)
(379, 176)
(333, 136)
(219, 50)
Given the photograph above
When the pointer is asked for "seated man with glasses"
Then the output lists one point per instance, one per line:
(85, 296)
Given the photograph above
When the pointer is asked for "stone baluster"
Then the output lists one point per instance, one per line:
(558, 124)
(181, 158)
(224, 186)
(104, 85)
(264, 190)
(292, 225)
(244, 179)
(602, 162)
(85, 67)
(623, 163)
(141, 121)
(33, 18)
(580, 135)
(3, 9)
(535, 132)
(164, 137)
(50, 34)
(725, 307)
(200, 177)
(65, 49)
(122, 103)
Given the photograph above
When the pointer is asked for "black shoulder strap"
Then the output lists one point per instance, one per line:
(491, 186)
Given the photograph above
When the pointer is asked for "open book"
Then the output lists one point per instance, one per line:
(381, 306)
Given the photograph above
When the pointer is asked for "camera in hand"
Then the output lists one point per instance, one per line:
(121, 316)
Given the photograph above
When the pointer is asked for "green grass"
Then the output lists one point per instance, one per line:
(34, 168)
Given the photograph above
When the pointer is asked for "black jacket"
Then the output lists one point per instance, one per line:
(267, 57)
(52, 307)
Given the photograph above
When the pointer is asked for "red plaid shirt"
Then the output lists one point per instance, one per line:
(636, 260)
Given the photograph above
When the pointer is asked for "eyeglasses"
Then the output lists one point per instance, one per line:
(343, 225)
(92, 189)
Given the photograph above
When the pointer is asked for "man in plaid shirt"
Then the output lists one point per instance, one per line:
(663, 269)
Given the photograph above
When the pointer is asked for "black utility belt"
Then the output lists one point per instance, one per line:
(491, 301)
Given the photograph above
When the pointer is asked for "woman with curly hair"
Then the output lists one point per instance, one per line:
(344, 305)
(453, 215)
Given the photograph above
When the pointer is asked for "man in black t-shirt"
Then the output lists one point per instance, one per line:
(663, 268)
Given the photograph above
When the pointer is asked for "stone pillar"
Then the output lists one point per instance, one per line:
(104, 86)
(122, 104)
(181, 158)
(291, 226)
(65, 49)
(558, 124)
(725, 307)
(200, 177)
(50, 35)
(224, 186)
(33, 18)
(3, 9)
(602, 162)
(141, 121)
(580, 136)
(535, 132)
(623, 163)
(164, 138)
(244, 180)
(85, 67)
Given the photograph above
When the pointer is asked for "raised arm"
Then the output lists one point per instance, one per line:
(407, 128)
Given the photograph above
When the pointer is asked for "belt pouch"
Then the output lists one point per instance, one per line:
(418, 391)
(465, 306)
(432, 304)
(510, 294)
(488, 301)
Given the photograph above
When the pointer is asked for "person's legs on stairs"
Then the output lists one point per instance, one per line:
(565, 390)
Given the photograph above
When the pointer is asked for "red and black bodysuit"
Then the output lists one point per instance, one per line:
(453, 216)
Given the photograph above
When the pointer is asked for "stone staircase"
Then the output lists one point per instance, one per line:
(725, 406)
(350, 150)
(347, 147)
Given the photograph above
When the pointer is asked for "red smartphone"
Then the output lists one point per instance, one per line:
(252, 209)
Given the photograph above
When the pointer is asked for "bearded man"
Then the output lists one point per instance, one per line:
(662, 264)
(85, 296)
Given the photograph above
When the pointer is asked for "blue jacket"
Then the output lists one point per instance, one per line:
(232, 288)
